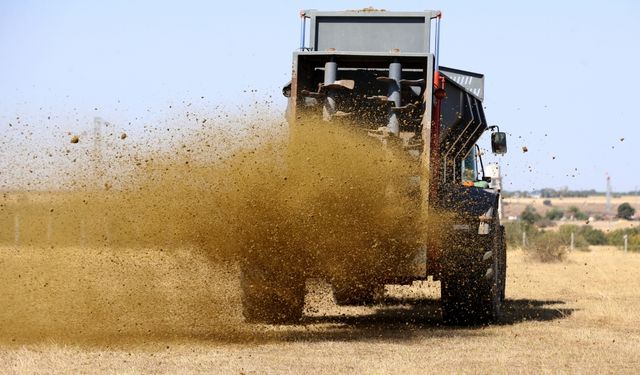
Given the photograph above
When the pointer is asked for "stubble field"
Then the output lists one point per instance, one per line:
(134, 270)
(94, 310)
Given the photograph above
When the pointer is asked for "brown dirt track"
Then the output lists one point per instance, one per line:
(73, 310)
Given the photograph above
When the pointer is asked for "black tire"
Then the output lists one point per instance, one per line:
(470, 284)
(271, 296)
(356, 293)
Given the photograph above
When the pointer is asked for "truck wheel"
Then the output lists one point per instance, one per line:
(356, 293)
(471, 283)
(271, 297)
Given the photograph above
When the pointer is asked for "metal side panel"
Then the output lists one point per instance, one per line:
(370, 31)
(463, 122)
(472, 82)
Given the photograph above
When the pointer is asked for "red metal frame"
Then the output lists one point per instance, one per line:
(434, 245)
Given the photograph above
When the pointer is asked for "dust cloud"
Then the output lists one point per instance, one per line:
(146, 245)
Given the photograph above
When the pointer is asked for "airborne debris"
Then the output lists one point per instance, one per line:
(75, 139)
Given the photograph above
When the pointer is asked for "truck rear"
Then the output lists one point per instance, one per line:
(377, 70)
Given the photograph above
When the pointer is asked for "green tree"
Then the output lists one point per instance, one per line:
(593, 236)
(530, 215)
(625, 211)
(575, 212)
(554, 214)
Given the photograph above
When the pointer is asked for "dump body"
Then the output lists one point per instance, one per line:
(387, 59)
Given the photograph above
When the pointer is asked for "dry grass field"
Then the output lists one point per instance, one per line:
(99, 310)
(140, 280)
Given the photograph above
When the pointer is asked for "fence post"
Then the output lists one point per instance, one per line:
(626, 242)
(524, 239)
(573, 240)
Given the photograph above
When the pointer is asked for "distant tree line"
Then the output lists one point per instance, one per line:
(563, 193)
(531, 216)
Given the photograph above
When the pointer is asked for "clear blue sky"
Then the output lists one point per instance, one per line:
(561, 77)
